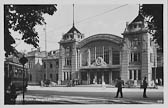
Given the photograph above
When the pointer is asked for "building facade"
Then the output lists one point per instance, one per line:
(105, 57)
(50, 66)
(34, 65)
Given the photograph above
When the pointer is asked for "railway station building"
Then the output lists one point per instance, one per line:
(105, 57)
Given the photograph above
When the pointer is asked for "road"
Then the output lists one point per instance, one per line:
(89, 95)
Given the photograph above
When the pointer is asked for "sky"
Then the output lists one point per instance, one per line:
(89, 19)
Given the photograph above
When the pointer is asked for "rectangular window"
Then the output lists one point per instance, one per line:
(44, 65)
(64, 76)
(57, 77)
(139, 74)
(68, 61)
(51, 65)
(130, 74)
(116, 57)
(67, 75)
(134, 74)
(70, 76)
(57, 63)
(50, 76)
(135, 57)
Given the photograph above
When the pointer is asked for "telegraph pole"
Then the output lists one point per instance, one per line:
(46, 50)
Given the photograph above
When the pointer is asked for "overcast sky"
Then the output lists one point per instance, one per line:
(89, 19)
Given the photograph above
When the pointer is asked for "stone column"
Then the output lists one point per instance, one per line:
(89, 60)
(88, 77)
(110, 55)
(95, 77)
(110, 77)
(102, 76)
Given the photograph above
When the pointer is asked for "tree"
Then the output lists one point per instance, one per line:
(154, 14)
(24, 18)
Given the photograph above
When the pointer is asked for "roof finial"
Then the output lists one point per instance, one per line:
(73, 14)
(139, 8)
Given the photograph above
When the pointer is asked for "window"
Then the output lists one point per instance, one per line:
(116, 57)
(68, 51)
(44, 76)
(56, 76)
(57, 63)
(135, 57)
(92, 51)
(50, 76)
(130, 74)
(64, 76)
(51, 65)
(68, 61)
(139, 74)
(106, 55)
(44, 65)
(135, 75)
(70, 75)
(30, 77)
(99, 52)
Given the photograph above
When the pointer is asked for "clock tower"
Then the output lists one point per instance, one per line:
(138, 51)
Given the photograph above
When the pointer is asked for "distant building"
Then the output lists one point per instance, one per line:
(50, 66)
(35, 65)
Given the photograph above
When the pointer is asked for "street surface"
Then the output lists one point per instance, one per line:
(89, 95)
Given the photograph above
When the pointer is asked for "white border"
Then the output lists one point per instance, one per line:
(2, 2)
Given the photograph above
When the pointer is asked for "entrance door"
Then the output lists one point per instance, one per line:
(91, 77)
(99, 77)
(106, 77)
(115, 75)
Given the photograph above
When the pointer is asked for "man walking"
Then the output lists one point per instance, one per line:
(119, 85)
(145, 84)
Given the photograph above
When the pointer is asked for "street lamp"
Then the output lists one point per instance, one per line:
(23, 61)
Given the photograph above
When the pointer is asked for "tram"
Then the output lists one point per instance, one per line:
(14, 72)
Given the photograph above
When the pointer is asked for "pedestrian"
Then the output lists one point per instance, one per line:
(13, 93)
(103, 85)
(145, 84)
(119, 85)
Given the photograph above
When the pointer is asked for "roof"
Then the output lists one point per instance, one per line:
(138, 18)
(72, 30)
(109, 37)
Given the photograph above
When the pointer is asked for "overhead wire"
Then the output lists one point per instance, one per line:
(85, 19)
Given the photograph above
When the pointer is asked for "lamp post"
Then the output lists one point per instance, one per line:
(23, 61)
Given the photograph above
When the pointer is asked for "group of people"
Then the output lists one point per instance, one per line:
(120, 84)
